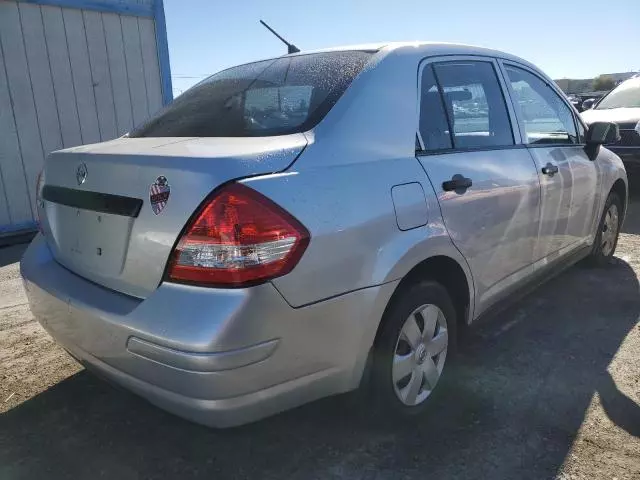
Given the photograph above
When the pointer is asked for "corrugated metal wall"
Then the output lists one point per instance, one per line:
(67, 77)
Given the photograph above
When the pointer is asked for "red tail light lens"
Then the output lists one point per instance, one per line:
(238, 238)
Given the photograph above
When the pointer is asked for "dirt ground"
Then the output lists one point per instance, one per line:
(549, 388)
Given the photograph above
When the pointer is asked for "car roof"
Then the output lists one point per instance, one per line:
(421, 48)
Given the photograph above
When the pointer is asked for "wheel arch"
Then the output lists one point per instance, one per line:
(620, 188)
(450, 274)
(421, 253)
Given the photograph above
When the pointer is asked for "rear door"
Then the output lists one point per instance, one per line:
(485, 181)
(569, 179)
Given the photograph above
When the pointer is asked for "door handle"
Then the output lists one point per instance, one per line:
(457, 183)
(550, 169)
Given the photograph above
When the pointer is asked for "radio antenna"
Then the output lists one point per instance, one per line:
(291, 48)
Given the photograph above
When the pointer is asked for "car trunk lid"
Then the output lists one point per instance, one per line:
(112, 212)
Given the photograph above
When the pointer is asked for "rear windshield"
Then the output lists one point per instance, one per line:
(272, 97)
(625, 95)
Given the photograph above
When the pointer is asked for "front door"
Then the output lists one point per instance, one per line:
(486, 184)
(568, 178)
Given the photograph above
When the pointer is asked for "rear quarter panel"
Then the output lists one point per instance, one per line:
(340, 188)
(355, 239)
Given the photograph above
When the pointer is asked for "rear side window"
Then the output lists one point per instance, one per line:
(464, 102)
(463, 107)
(273, 97)
(475, 104)
(547, 119)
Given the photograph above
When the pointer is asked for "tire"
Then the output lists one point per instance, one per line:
(422, 303)
(604, 245)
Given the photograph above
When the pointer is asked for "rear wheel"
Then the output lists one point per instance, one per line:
(417, 338)
(608, 230)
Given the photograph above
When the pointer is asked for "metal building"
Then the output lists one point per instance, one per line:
(72, 72)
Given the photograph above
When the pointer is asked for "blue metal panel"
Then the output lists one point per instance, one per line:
(154, 9)
(163, 52)
(136, 9)
(18, 227)
(150, 8)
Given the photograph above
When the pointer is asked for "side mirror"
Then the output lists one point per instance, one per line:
(603, 133)
(588, 103)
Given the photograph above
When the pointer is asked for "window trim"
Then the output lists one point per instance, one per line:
(511, 114)
(449, 151)
(554, 87)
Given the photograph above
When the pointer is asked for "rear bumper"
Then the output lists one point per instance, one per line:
(218, 357)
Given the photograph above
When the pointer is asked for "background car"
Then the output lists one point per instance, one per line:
(576, 101)
(621, 106)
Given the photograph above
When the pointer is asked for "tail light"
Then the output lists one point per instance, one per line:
(39, 201)
(237, 238)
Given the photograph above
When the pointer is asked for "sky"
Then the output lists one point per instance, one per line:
(565, 38)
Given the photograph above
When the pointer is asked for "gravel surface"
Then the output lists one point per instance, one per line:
(549, 388)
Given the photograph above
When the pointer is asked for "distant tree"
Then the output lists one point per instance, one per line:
(603, 82)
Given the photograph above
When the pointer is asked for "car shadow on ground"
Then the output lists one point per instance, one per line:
(511, 408)
(11, 253)
(632, 220)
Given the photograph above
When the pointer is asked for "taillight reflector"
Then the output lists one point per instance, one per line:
(238, 238)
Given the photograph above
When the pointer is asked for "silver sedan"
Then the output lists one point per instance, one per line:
(287, 228)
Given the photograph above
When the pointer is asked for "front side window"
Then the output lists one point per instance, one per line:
(582, 133)
(625, 95)
(463, 106)
(272, 97)
(547, 119)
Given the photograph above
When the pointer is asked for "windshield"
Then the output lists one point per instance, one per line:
(626, 95)
(272, 97)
